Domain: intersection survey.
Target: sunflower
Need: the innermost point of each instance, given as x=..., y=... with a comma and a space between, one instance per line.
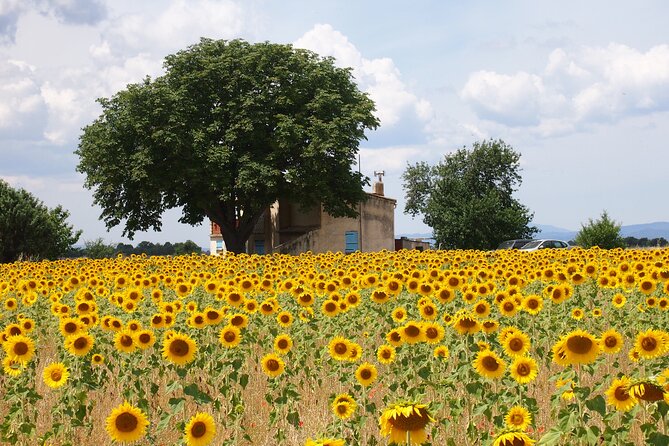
x=145, y=339
x=126, y=423
x=618, y=300
x=179, y=349
x=200, y=430
x=97, y=359
x=518, y=418
x=325, y=442
x=489, y=326
x=399, y=314
x=508, y=307
x=481, y=309
x=124, y=341
x=405, y=422
x=618, y=394
x=386, y=354
x=429, y=311
x=343, y=409
x=330, y=308
x=465, y=323
x=412, y=332
x=285, y=318
x=394, y=337
x=272, y=365
x=230, y=336
x=55, y=375
x=433, y=332
x=513, y=438
x=651, y=343
x=523, y=369
x=366, y=374
x=577, y=347
x=516, y=344
x=283, y=343
x=577, y=314
x=11, y=367
x=339, y=348
x=611, y=341
x=239, y=320
x=647, y=390
x=441, y=351
x=489, y=365
x=19, y=348
x=355, y=352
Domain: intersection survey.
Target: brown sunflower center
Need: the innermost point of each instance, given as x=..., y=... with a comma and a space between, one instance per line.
x=237, y=321
x=516, y=344
x=229, y=336
x=340, y=348
x=621, y=394
x=342, y=408
x=198, y=430
x=20, y=348
x=428, y=310
x=126, y=341
x=523, y=369
x=282, y=344
x=517, y=419
x=579, y=344
x=611, y=341
x=467, y=322
x=212, y=315
x=413, y=422
x=272, y=365
x=70, y=327
x=489, y=363
x=144, y=338
x=412, y=331
x=80, y=343
x=386, y=354
x=649, y=344
x=179, y=347
x=56, y=375
x=532, y=304
x=126, y=422
x=509, y=306
x=365, y=374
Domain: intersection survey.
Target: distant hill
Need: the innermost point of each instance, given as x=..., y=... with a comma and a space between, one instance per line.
x=649, y=230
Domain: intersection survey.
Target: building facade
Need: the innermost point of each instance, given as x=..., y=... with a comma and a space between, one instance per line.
x=289, y=229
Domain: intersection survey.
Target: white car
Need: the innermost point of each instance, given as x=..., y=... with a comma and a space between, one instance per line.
x=536, y=245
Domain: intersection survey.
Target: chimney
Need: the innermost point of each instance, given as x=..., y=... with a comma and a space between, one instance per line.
x=378, y=185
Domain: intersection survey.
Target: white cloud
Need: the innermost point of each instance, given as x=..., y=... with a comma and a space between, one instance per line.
x=576, y=89
x=21, y=106
x=181, y=24
x=378, y=77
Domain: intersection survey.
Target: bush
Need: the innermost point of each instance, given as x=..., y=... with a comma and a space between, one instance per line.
x=603, y=232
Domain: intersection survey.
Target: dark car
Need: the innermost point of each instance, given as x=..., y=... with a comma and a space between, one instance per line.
x=514, y=244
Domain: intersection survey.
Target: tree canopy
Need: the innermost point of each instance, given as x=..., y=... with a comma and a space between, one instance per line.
x=467, y=199
x=226, y=131
x=602, y=232
x=28, y=229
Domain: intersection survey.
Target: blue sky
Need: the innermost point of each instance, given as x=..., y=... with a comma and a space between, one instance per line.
x=580, y=89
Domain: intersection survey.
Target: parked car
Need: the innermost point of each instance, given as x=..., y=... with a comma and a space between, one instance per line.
x=514, y=244
x=536, y=245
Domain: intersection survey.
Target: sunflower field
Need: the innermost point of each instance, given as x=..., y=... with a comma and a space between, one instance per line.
x=503, y=348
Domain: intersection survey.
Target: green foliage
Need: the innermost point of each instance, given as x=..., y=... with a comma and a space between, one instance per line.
x=602, y=232
x=467, y=199
x=230, y=128
x=98, y=249
x=28, y=229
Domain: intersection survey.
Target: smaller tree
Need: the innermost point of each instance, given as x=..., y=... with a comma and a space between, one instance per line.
x=28, y=229
x=98, y=249
x=602, y=232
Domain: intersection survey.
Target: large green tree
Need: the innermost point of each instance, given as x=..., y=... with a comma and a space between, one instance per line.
x=603, y=232
x=226, y=131
x=30, y=230
x=467, y=199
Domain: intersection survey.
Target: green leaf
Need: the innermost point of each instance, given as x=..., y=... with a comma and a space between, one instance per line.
x=244, y=380
x=294, y=419
x=176, y=404
x=550, y=438
x=200, y=397
x=598, y=404
x=657, y=439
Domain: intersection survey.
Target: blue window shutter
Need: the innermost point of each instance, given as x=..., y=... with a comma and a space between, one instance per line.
x=260, y=247
x=351, y=241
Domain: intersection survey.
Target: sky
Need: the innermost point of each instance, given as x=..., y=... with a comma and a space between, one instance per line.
x=579, y=89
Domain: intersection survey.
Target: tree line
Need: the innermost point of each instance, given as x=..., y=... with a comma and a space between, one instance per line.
x=98, y=249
